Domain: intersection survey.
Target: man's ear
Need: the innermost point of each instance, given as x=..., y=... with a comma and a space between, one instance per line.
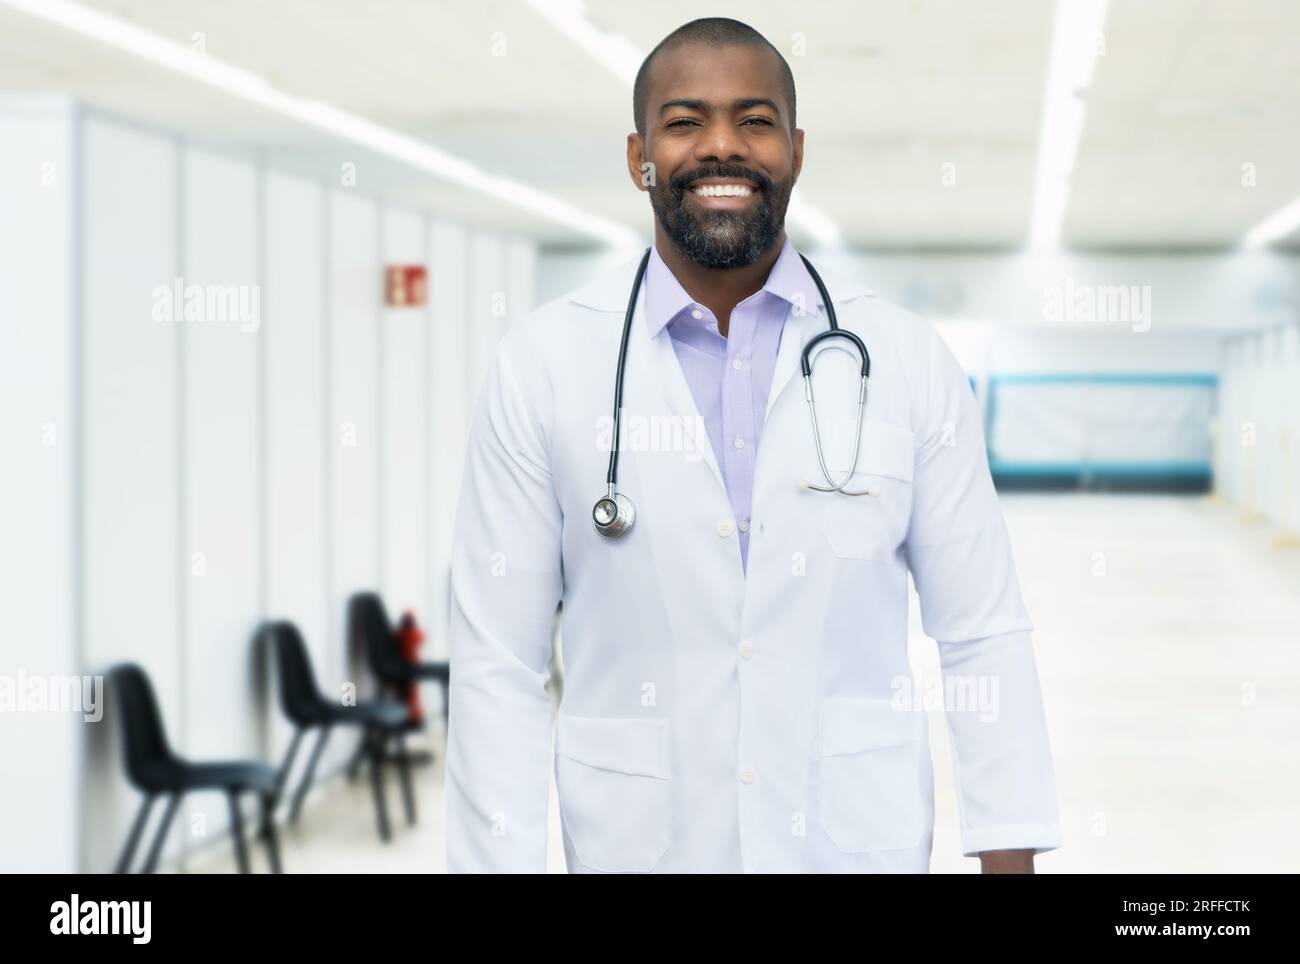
x=636, y=162
x=798, y=154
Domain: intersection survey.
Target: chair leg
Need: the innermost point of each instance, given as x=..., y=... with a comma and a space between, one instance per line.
x=375, y=750
x=133, y=840
x=152, y=860
x=268, y=833
x=237, y=831
x=282, y=778
x=358, y=757
x=307, y=777
x=404, y=769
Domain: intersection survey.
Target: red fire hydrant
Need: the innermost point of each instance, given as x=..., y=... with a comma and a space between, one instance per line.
x=409, y=639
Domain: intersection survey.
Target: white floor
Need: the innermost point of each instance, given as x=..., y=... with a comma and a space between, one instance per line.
x=1168, y=643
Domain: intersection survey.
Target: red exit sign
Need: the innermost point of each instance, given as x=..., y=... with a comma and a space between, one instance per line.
x=406, y=286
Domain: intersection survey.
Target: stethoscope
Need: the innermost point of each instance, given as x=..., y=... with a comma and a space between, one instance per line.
x=613, y=514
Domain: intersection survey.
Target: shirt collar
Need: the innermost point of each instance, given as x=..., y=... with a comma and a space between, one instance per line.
x=665, y=298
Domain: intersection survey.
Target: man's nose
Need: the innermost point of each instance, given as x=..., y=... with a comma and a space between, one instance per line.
x=720, y=141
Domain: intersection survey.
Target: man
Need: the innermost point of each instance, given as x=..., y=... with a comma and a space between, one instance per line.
x=737, y=691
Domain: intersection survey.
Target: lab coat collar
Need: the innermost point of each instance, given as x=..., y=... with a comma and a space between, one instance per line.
x=610, y=291
x=788, y=280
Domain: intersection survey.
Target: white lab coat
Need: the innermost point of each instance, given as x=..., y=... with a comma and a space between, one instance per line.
x=716, y=721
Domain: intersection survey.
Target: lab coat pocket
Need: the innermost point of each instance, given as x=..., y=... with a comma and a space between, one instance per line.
x=871, y=526
x=615, y=796
x=870, y=774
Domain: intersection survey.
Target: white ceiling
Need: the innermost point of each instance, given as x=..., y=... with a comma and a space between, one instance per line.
x=1186, y=93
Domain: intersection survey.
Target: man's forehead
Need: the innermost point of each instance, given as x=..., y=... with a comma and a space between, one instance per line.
x=715, y=75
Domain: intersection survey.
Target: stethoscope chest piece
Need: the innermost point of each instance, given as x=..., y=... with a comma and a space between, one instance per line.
x=613, y=515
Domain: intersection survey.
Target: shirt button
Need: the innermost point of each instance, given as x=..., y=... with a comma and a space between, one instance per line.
x=739, y=443
x=748, y=775
x=725, y=528
x=697, y=313
x=737, y=364
x=743, y=525
x=746, y=649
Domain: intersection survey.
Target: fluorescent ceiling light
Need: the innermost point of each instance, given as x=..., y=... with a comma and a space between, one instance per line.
x=617, y=53
x=1076, y=36
x=1275, y=227
x=624, y=59
x=207, y=70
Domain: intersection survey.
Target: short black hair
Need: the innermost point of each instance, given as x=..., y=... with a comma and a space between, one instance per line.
x=714, y=32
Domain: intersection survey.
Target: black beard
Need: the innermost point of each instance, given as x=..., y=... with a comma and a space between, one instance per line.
x=722, y=239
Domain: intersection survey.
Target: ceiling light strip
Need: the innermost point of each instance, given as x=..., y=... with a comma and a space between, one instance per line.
x=212, y=72
x=1077, y=38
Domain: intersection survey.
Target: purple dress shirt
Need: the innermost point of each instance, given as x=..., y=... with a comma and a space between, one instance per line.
x=730, y=377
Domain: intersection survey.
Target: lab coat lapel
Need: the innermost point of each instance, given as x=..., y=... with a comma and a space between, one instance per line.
x=798, y=329
x=655, y=359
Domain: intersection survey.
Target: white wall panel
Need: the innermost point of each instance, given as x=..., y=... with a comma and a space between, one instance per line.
x=449, y=399
x=293, y=333
x=222, y=471
x=404, y=462
x=1257, y=450
x=355, y=290
x=132, y=563
x=37, y=489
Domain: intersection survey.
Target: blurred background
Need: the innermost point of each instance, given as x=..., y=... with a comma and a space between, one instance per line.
x=255, y=258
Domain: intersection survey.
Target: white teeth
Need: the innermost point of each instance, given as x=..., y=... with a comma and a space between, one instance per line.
x=723, y=190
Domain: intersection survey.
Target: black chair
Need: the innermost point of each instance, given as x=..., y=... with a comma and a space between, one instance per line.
x=371, y=632
x=306, y=707
x=155, y=770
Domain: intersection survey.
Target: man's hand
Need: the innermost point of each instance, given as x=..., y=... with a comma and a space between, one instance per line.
x=1007, y=862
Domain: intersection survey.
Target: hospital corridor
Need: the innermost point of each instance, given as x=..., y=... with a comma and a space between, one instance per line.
x=512, y=436
x=1147, y=786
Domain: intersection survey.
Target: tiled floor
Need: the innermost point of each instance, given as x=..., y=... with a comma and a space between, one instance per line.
x=1168, y=643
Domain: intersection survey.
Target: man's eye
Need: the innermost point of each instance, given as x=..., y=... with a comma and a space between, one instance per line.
x=761, y=120
x=680, y=121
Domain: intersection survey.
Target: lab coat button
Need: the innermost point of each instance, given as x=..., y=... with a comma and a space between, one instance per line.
x=748, y=775
x=746, y=649
x=725, y=528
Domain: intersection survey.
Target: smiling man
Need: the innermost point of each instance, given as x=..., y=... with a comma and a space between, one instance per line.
x=737, y=689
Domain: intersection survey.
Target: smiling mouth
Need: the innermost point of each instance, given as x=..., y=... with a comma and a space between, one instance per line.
x=722, y=189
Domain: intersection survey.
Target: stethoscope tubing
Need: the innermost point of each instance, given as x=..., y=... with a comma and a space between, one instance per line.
x=616, y=510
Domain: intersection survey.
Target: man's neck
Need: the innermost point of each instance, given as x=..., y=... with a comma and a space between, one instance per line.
x=718, y=289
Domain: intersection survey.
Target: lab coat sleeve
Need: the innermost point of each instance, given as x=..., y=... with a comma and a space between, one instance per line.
x=505, y=586
x=960, y=556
